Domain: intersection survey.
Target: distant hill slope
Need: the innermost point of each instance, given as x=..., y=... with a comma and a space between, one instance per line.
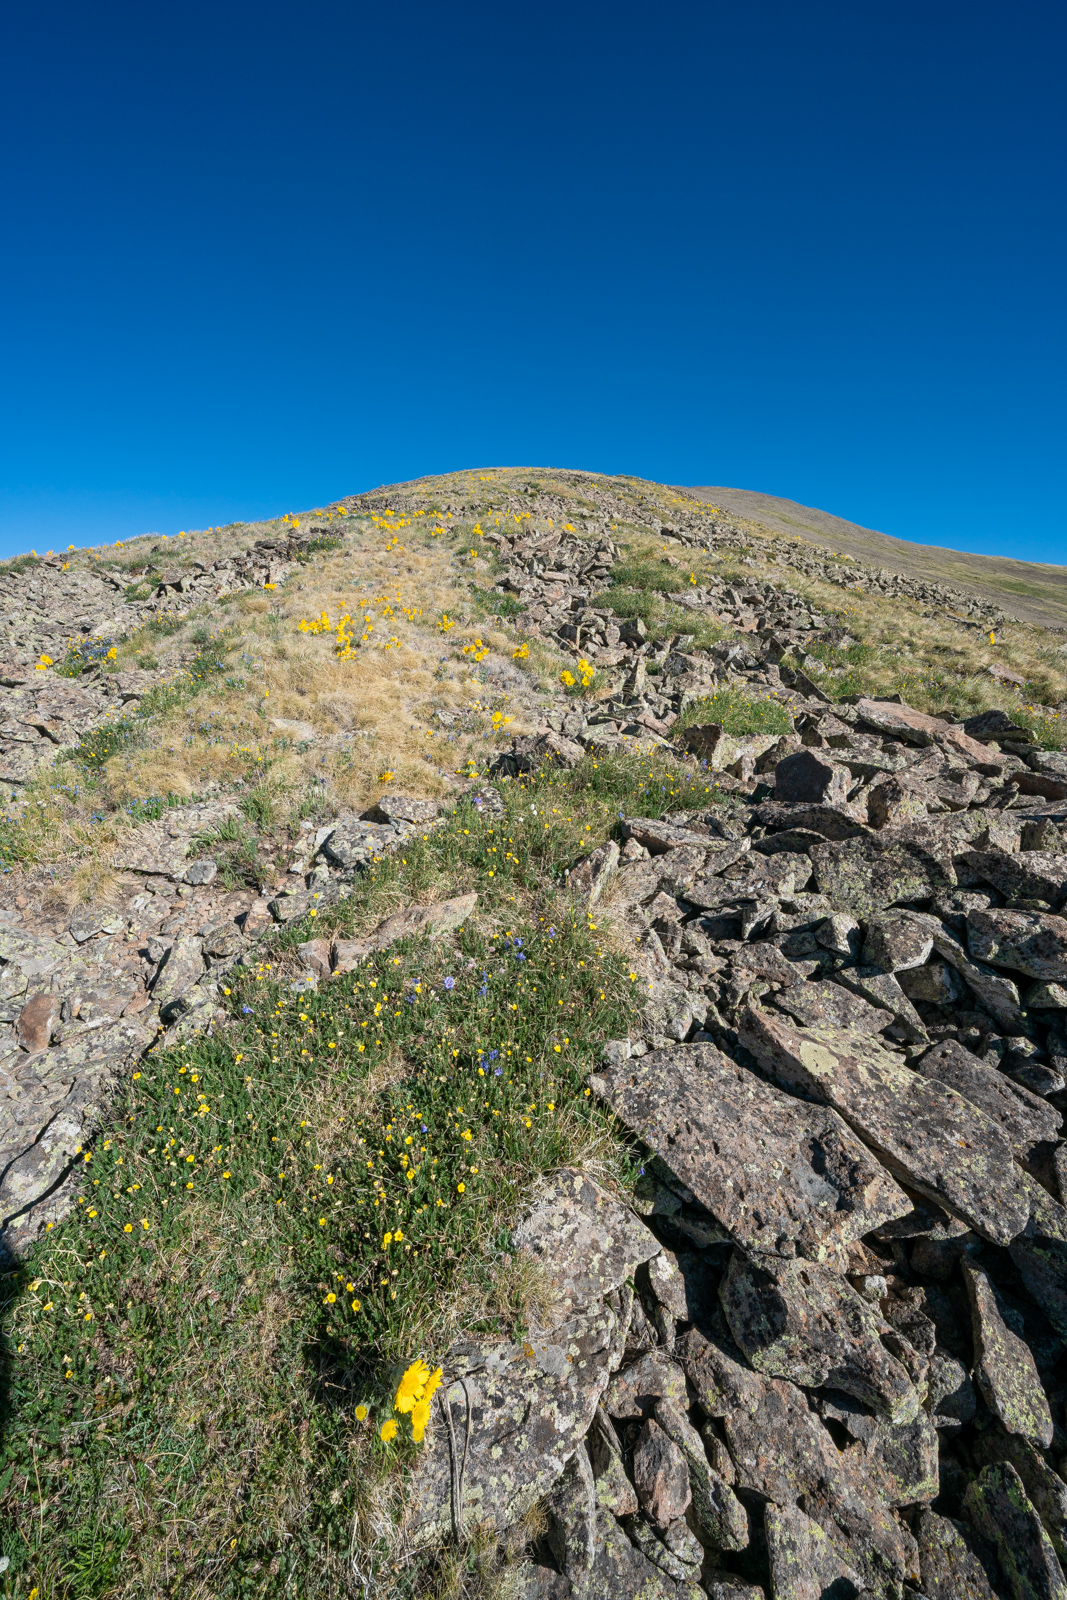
x=1032, y=591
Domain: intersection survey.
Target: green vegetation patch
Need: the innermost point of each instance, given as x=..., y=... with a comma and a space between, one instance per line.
x=739, y=712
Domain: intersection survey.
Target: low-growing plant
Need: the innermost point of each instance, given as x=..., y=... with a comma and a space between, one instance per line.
x=738, y=712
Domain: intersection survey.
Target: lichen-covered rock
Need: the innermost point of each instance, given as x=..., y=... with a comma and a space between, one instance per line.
x=589, y=1242
x=794, y=1320
x=778, y=1174
x=589, y=877
x=1004, y=1369
x=1033, y=942
x=1028, y=875
x=515, y=1414
x=832, y=1005
x=634, y=1390
x=614, y=1491
x=895, y=943
x=661, y=1476
x=954, y=1563
x=783, y=1453
x=720, y=1518
x=1046, y=1490
x=925, y=1133
x=997, y=1504
x=1024, y=1118
x=433, y=921
x=804, y=1562
x=181, y=969
x=869, y=873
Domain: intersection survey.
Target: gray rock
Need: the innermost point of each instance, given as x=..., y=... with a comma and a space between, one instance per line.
x=1030, y=875
x=181, y=969
x=840, y=934
x=937, y=983
x=517, y=1418
x=1024, y=1118
x=1033, y=942
x=201, y=872
x=591, y=875
x=588, y=1241
x=805, y=1564
x=794, y=1320
x=354, y=843
x=895, y=943
x=661, y=1476
x=721, y=1519
x=1004, y=1369
x=954, y=1563
x=1040, y=1254
x=867, y=874
x=634, y=1391
x=614, y=1491
x=779, y=1175
x=925, y=1133
x=534, y=750
x=831, y=1004
x=406, y=808
x=90, y=920
x=445, y=916
x=783, y=1453
x=1000, y=1510
x=811, y=779
x=1045, y=1489
x=882, y=989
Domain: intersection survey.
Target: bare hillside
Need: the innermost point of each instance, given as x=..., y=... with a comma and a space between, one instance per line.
x=1032, y=591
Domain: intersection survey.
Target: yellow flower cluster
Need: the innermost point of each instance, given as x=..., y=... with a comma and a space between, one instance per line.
x=478, y=651
x=586, y=672
x=43, y=665
x=414, y=1392
x=521, y=654
x=319, y=624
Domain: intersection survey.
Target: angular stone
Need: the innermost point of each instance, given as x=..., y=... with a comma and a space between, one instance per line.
x=950, y=1398
x=830, y=822
x=661, y=1476
x=832, y=1005
x=720, y=1517
x=1046, y=997
x=201, y=872
x=406, y=808
x=614, y=1491
x=518, y=1413
x=783, y=1453
x=183, y=966
x=354, y=843
x=90, y=920
x=795, y=1321
x=811, y=779
x=916, y=727
x=37, y=1021
x=882, y=989
x=903, y=1456
x=1003, y=1366
x=805, y=1564
x=1033, y=942
x=780, y=1175
x=722, y=1382
x=895, y=943
x=840, y=934
x=997, y=1504
x=571, y=1514
x=1045, y=1489
x=315, y=955
x=433, y=921
x=937, y=983
x=925, y=1133
x=668, y=1285
x=1040, y=1254
x=996, y=992
x=894, y=799
x=1023, y=1118
x=534, y=750
x=588, y=1241
x=589, y=877
x=1030, y=875
x=658, y=837
x=953, y=1561
x=867, y=874
x=634, y=1390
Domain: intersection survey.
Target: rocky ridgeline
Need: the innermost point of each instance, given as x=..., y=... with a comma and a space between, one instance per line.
x=823, y=1352
x=51, y=609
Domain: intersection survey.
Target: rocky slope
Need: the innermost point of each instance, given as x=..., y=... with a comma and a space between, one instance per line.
x=822, y=1352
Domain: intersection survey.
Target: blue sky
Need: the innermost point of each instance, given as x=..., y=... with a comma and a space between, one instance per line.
x=256, y=257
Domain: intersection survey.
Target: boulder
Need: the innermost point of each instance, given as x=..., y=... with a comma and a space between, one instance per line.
x=588, y=1241
x=895, y=943
x=953, y=1561
x=1000, y=1510
x=923, y=1131
x=433, y=921
x=1003, y=1366
x=805, y=1564
x=1032, y=942
x=660, y=1474
x=793, y=1320
x=1023, y=1118
x=779, y=1175
x=809, y=778
x=1029, y=875
x=868, y=873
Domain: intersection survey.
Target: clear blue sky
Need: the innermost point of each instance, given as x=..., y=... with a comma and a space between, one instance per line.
x=259, y=256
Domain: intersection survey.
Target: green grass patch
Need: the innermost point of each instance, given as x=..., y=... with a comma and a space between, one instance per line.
x=738, y=713
x=285, y=1216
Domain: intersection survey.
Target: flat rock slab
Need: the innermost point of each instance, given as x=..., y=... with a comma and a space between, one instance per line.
x=831, y=1004
x=517, y=1416
x=589, y=1242
x=434, y=921
x=1024, y=1118
x=866, y=875
x=954, y=1563
x=780, y=1175
x=784, y=1453
x=998, y=1506
x=793, y=1320
x=1033, y=942
x=927, y=1134
x=161, y=847
x=804, y=1562
x=1029, y=875
x=1004, y=1368
x=902, y=722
